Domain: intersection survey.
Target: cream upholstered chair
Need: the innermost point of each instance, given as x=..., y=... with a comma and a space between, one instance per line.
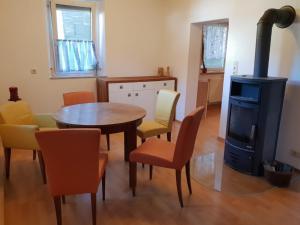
x=164, y=115
x=81, y=97
x=17, y=129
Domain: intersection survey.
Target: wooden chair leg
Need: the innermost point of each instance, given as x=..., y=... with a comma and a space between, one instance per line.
x=108, y=142
x=169, y=135
x=150, y=171
x=178, y=183
x=132, y=176
x=42, y=166
x=158, y=136
x=7, y=156
x=143, y=140
x=188, y=176
x=57, y=204
x=34, y=155
x=63, y=198
x=103, y=186
x=94, y=207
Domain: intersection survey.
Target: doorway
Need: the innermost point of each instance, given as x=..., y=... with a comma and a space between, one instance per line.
x=205, y=78
x=213, y=37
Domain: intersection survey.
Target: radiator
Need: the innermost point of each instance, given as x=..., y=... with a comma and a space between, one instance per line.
x=215, y=90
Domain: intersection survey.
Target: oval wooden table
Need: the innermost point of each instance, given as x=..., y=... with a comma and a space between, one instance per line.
x=109, y=117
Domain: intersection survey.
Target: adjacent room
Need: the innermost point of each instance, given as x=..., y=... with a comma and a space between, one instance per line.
x=149, y=112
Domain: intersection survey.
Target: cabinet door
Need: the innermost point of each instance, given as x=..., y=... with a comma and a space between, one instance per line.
x=125, y=97
x=145, y=99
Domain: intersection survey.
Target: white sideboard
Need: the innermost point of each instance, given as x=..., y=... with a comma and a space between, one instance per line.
x=140, y=91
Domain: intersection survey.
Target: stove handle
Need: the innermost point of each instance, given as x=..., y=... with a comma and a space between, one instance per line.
x=252, y=134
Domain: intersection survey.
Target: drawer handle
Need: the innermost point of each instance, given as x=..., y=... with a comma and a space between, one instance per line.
x=144, y=85
x=165, y=84
x=121, y=86
x=129, y=95
x=136, y=94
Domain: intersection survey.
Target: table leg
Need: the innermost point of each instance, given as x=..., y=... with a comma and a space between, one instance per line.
x=129, y=140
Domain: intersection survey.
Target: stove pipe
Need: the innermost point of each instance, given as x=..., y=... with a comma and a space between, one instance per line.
x=283, y=18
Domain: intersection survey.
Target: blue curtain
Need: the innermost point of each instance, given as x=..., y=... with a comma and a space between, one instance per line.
x=75, y=56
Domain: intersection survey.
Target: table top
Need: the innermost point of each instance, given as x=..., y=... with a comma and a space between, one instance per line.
x=99, y=114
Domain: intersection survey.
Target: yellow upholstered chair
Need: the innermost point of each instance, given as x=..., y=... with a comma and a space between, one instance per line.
x=17, y=130
x=164, y=115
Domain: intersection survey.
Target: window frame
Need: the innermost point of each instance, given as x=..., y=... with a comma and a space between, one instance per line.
x=214, y=70
x=54, y=37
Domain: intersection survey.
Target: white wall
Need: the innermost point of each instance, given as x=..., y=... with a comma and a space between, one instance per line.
x=243, y=16
x=179, y=30
x=133, y=37
x=24, y=45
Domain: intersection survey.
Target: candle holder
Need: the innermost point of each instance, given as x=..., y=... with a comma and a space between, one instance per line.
x=13, y=91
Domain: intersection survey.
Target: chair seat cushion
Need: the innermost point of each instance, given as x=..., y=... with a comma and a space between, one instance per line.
x=47, y=128
x=103, y=158
x=155, y=152
x=151, y=128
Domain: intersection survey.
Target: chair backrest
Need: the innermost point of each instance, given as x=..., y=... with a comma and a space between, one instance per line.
x=80, y=97
x=72, y=160
x=18, y=113
x=166, y=106
x=186, y=137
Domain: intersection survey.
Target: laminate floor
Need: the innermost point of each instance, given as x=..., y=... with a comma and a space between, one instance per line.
x=27, y=200
x=208, y=166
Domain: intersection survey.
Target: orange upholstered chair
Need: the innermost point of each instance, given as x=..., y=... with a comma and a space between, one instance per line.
x=73, y=164
x=81, y=97
x=78, y=97
x=157, y=152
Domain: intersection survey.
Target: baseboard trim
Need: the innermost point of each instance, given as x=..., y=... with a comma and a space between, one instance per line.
x=221, y=139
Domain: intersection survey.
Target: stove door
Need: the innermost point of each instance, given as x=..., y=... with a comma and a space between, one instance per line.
x=242, y=124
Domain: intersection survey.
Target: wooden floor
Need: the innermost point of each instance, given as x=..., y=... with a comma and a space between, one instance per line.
x=28, y=202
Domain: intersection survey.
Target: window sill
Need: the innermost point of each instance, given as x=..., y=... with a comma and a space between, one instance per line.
x=71, y=77
x=211, y=73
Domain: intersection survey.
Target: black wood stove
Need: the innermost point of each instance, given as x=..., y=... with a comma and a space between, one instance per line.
x=255, y=103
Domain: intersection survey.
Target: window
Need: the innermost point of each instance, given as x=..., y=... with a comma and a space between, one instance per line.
x=214, y=41
x=74, y=34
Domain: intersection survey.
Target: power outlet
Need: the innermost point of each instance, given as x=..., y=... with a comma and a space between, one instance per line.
x=33, y=71
x=235, y=68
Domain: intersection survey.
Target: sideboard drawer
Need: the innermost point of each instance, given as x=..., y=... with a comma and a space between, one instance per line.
x=121, y=86
x=139, y=86
x=167, y=84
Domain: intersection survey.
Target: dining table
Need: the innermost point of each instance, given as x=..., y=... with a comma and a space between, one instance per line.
x=109, y=117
